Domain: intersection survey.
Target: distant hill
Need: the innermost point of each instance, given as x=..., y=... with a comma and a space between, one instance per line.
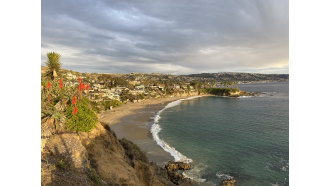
x=237, y=76
x=222, y=76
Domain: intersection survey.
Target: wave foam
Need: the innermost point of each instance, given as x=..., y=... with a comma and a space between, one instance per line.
x=196, y=172
x=155, y=129
x=223, y=176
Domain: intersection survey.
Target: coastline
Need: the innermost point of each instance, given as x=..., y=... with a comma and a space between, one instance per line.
x=134, y=121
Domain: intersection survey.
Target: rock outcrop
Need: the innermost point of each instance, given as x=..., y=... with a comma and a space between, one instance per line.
x=228, y=182
x=174, y=166
x=175, y=170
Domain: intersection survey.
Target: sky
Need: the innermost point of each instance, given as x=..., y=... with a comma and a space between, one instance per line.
x=167, y=36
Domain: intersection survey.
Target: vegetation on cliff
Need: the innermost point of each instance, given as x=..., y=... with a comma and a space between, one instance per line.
x=69, y=103
x=132, y=151
x=220, y=91
x=84, y=120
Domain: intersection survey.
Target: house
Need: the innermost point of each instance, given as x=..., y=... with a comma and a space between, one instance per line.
x=136, y=92
x=140, y=87
x=98, y=86
x=71, y=76
x=161, y=86
x=176, y=86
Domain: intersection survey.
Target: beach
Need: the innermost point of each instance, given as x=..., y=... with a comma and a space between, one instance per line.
x=133, y=121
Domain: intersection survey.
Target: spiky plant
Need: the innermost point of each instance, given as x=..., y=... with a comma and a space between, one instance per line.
x=53, y=64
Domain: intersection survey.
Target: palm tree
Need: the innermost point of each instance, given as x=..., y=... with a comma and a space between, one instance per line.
x=53, y=64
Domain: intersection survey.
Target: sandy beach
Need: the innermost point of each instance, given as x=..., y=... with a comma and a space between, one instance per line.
x=133, y=121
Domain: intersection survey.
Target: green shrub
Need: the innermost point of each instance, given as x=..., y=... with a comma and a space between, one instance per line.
x=94, y=176
x=113, y=103
x=84, y=120
x=62, y=164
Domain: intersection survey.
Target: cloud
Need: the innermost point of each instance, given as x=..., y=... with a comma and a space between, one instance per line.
x=180, y=37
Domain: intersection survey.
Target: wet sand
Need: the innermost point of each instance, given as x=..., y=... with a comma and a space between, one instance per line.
x=133, y=121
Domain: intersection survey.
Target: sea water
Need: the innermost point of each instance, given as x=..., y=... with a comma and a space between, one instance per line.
x=245, y=138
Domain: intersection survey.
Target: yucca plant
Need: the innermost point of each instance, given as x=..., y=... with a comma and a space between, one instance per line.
x=53, y=64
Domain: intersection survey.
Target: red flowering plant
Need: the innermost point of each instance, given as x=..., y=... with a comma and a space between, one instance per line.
x=74, y=100
x=60, y=81
x=73, y=106
x=75, y=110
x=49, y=85
x=53, y=93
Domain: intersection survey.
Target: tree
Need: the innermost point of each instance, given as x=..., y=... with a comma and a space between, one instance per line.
x=53, y=64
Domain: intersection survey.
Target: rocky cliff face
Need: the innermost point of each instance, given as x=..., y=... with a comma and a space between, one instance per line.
x=97, y=158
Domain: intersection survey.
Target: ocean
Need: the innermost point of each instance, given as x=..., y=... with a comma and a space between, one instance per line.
x=245, y=138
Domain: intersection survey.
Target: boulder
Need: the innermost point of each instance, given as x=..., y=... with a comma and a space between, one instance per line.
x=174, y=166
x=228, y=182
x=175, y=170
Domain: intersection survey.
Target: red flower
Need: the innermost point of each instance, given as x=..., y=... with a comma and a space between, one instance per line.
x=82, y=86
x=79, y=80
x=61, y=86
x=60, y=81
x=49, y=98
x=74, y=100
x=49, y=85
x=87, y=87
x=75, y=110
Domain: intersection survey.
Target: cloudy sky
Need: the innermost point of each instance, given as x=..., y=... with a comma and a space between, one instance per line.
x=168, y=36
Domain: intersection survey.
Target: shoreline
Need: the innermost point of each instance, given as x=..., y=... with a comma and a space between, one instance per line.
x=133, y=121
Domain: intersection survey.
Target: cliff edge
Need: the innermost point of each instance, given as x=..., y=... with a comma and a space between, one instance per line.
x=96, y=158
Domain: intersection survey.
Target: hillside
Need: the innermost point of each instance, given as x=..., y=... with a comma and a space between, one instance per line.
x=236, y=76
x=223, y=76
x=95, y=158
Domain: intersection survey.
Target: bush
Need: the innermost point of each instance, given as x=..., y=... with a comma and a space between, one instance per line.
x=94, y=176
x=113, y=103
x=84, y=120
x=62, y=164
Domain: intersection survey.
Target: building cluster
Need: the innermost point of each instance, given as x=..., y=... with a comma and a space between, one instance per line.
x=136, y=86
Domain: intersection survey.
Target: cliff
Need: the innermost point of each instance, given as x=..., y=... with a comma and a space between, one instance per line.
x=95, y=158
x=231, y=92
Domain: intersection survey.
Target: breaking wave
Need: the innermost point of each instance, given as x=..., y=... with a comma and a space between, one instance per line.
x=155, y=129
x=223, y=176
